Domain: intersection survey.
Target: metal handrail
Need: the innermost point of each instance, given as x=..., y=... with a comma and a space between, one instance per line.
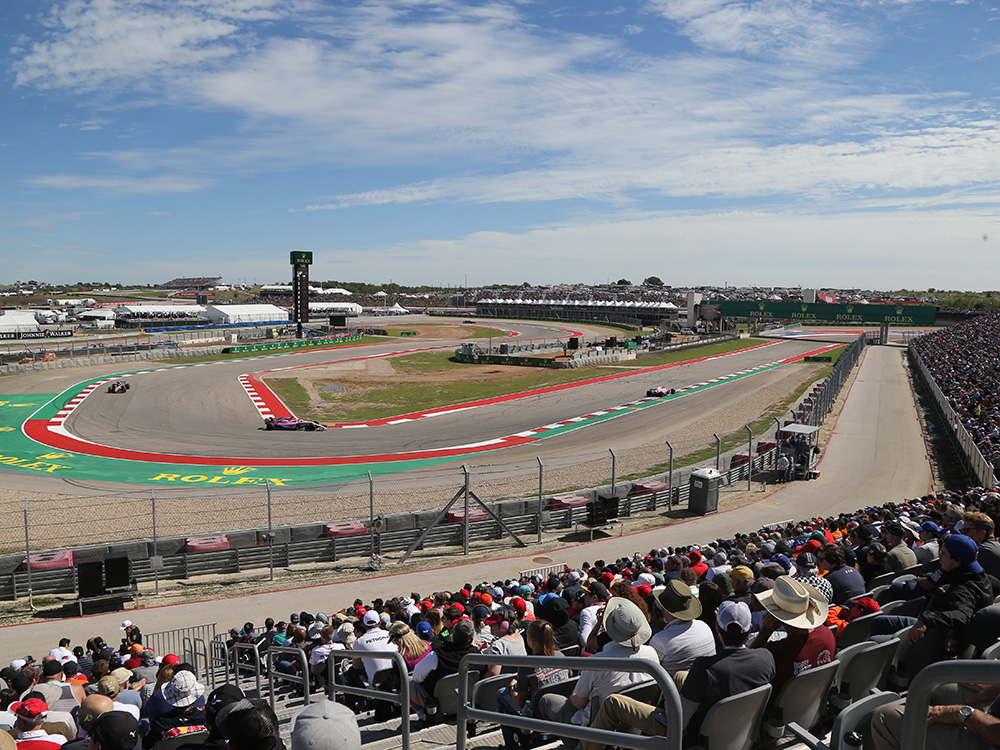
x=304, y=680
x=918, y=698
x=220, y=657
x=671, y=701
x=254, y=649
x=402, y=698
x=201, y=652
x=172, y=641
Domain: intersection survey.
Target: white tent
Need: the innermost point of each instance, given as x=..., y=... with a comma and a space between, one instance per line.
x=232, y=314
x=18, y=321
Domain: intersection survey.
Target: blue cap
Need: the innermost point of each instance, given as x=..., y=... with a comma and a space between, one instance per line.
x=783, y=561
x=964, y=549
x=930, y=526
x=424, y=629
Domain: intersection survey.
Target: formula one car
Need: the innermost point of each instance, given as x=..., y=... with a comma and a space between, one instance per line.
x=292, y=423
x=119, y=386
x=660, y=390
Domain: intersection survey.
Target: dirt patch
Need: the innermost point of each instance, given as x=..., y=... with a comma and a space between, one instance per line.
x=432, y=330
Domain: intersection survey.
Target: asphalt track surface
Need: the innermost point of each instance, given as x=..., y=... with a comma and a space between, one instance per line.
x=875, y=454
x=203, y=411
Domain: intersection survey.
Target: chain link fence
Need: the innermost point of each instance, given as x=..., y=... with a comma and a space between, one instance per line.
x=159, y=528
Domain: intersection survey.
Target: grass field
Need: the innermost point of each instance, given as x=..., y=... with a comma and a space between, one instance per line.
x=434, y=379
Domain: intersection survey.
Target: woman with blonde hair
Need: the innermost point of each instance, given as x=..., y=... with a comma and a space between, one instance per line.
x=411, y=647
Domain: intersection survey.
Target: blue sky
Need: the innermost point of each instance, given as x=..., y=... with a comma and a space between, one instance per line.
x=768, y=142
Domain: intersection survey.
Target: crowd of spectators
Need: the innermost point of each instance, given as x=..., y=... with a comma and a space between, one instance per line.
x=720, y=618
x=965, y=363
x=130, y=698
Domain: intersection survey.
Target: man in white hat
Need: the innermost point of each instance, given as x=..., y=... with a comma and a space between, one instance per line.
x=801, y=611
x=629, y=631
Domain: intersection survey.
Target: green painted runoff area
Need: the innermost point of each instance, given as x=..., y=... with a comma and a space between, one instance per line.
x=21, y=454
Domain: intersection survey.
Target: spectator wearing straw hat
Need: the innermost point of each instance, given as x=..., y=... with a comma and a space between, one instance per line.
x=801, y=611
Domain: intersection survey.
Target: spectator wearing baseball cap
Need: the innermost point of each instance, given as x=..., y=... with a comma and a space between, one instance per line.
x=374, y=638
x=595, y=596
x=929, y=546
x=962, y=589
x=326, y=725
x=807, y=571
x=250, y=725
x=29, y=717
x=114, y=730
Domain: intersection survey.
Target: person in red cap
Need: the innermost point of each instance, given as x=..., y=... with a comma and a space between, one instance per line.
x=28, y=724
x=171, y=659
x=699, y=566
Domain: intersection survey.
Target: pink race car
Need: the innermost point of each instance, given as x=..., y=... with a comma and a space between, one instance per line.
x=292, y=423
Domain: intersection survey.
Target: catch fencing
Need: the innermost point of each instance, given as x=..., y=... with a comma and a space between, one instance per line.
x=163, y=530
x=976, y=464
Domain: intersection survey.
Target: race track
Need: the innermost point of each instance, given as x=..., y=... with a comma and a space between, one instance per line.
x=198, y=420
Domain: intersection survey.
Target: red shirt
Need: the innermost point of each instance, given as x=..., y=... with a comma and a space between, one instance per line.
x=799, y=651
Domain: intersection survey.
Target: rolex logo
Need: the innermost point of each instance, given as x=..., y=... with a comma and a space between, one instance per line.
x=805, y=307
x=761, y=306
x=850, y=309
x=899, y=311
x=237, y=470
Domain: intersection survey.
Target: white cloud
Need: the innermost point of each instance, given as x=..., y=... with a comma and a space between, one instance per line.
x=140, y=185
x=105, y=43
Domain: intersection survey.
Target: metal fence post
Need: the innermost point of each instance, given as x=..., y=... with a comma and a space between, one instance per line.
x=749, y=455
x=270, y=531
x=27, y=551
x=670, y=479
x=777, y=440
x=614, y=471
x=538, y=513
x=718, y=452
x=156, y=571
x=465, y=524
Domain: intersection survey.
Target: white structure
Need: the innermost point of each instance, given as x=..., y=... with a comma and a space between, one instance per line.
x=233, y=314
x=18, y=321
x=335, y=308
x=160, y=311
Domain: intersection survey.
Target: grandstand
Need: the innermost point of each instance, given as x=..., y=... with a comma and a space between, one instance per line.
x=194, y=282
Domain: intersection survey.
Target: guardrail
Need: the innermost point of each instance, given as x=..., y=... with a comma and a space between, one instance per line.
x=178, y=640
x=975, y=462
x=671, y=701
